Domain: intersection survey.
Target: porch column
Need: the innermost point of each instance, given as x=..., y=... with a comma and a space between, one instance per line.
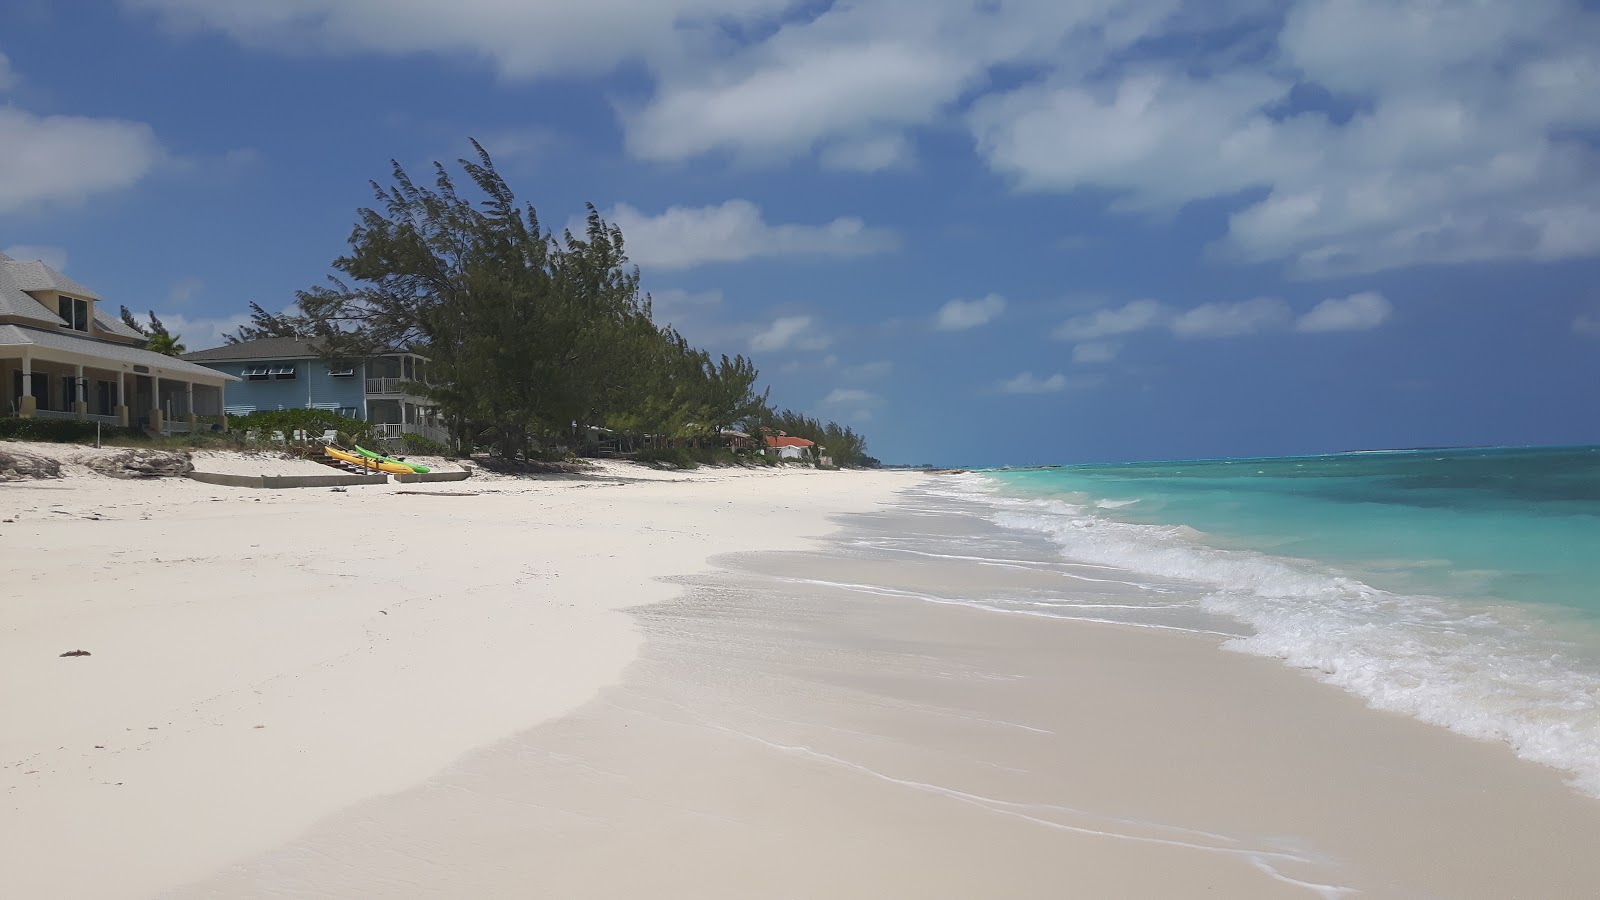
x=189, y=399
x=80, y=400
x=155, y=403
x=121, y=412
x=29, y=404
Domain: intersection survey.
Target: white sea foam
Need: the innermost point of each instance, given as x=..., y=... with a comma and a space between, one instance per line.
x=1491, y=672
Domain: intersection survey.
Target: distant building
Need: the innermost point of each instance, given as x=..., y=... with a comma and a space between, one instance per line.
x=63, y=355
x=785, y=447
x=290, y=373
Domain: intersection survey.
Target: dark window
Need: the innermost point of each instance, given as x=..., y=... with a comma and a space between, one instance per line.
x=75, y=313
x=283, y=373
x=257, y=373
x=345, y=372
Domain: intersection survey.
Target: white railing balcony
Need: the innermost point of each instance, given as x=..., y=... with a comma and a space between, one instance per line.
x=385, y=385
x=393, y=430
x=54, y=414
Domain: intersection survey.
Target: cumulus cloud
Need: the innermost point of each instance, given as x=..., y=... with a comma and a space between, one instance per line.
x=675, y=304
x=1126, y=319
x=7, y=76
x=683, y=237
x=852, y=404
x=1029, y=383
x=790, y=333
x=521, y=39
x=184, y=290
x=1470, y=137
x=1465, y=145
x=54, y=257
x=1217, y=320
x=868, y=370
x=960, y=315
x=66, y=159
x=200, y=333
x=870, y=154
x=1587, y=324
x=1357, y=312
x=1095, y=352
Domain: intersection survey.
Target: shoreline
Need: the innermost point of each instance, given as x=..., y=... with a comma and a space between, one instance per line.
x=684, y=685
x=787, y=731
x=262, y=659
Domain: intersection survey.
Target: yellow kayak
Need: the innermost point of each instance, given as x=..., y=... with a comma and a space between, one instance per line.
x=365, y=463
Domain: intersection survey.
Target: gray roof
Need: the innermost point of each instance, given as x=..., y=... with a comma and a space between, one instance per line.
x=14, y=302
x=260, y=348
x=71, y=342
x=36, y=276
x=107, y=322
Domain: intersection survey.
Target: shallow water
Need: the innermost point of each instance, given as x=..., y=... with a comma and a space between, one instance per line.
x=1459, y=587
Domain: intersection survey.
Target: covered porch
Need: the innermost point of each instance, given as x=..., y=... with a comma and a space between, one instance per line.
x=111, y=384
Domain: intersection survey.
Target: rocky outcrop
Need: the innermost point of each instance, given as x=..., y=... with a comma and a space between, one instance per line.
x=142, y=464
x=17, y=466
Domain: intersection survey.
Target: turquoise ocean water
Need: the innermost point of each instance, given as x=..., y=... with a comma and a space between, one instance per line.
x=1461, y=587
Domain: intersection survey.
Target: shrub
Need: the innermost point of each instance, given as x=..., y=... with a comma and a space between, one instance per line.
x=312, y=421
x=669, y=456
x=421, y=445
x=65, y=431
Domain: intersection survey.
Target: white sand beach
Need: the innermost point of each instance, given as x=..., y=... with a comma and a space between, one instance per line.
x=486, y=688
x=262, y=659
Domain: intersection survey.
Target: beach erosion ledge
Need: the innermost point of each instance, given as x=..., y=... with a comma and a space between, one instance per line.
x=255, y=660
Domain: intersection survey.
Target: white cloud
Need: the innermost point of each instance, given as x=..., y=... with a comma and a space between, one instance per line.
x=1587, y=324
x=184, y=290
x=1216, y=320
x=849, y=397
x=1470, y=137
x=790, y=333
x=1466, y=144
x=871, y=154
x=868, y=370
x=201, y=333
x=54, y=257
x=1136, y=315
x=521, y=39
x=682, y=237
x=1357, y=312
x=1028, y=383
x=8, y=78
x=1095, y=352
x=675, y=304
x=66, y=159
x=960, y=315
x=852, y=404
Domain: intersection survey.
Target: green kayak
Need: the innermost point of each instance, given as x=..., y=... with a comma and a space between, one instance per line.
x=420, y=470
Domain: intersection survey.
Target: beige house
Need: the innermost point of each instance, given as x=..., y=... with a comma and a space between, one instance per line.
x=63, y=355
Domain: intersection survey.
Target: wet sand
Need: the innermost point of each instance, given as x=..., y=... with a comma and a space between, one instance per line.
x=781, y=737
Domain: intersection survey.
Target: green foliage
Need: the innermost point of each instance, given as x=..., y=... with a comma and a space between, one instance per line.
x=677, y=457
x=157, y=337
x=533, y=338
x=264, y=325
x=312, y=421
x=64, y=431
x=841, y=443
x=421, y=445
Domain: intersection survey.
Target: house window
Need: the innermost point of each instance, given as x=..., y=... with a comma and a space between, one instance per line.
x=282, y=373
x=74, y=312
x=257, y=373
x=344, y=372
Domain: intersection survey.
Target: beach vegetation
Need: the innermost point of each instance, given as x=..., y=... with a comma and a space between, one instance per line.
x=535, y=339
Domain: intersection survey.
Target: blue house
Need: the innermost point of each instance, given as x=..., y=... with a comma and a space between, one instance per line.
x=288, y=373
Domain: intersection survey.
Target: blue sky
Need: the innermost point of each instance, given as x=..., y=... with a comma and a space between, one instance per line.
x=983, y=232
